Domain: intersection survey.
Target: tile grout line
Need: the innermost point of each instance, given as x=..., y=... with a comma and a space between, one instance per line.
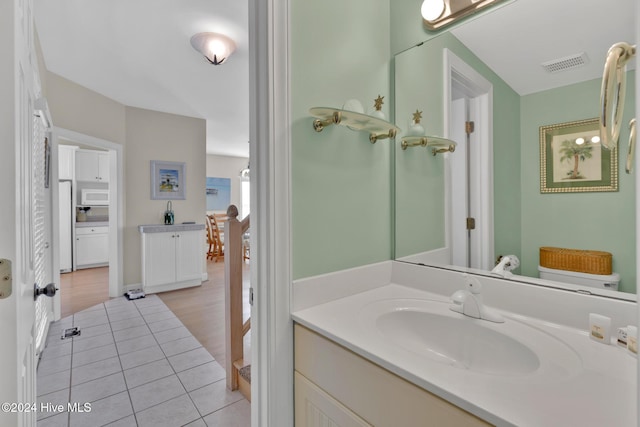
x=167, y=359
x=124, y=378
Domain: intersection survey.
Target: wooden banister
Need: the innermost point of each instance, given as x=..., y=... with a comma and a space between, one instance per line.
x=233, y=256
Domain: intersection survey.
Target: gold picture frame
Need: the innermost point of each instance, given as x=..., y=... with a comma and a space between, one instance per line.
x=572, y=160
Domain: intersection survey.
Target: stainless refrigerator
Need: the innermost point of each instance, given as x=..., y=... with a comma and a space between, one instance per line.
x=66, y=227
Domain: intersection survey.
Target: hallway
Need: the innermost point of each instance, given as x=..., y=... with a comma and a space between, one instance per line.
x=138, y=362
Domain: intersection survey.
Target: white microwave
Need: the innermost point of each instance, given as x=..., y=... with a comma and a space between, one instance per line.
x=94, y=197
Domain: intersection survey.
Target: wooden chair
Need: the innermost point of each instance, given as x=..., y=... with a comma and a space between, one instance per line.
x=217, y=237
x=246, y=251
x=210, y=240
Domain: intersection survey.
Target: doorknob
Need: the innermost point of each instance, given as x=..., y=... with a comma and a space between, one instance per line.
x=49, y=290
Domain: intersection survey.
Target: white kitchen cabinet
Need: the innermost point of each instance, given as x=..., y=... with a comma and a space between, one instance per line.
x=92, y=166
x=172, y=259
x=92, y=247
x=66, y=161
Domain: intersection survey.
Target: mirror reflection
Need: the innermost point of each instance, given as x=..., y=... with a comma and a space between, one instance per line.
x=511, y=73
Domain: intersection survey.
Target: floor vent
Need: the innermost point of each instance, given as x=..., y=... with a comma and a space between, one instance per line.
x=70, y=333
x=566, y=63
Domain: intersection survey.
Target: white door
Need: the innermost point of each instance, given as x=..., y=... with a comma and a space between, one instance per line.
x=160, y=258
x=469, y=99
x=459, y=183
x=17, y=210
x=189, y=255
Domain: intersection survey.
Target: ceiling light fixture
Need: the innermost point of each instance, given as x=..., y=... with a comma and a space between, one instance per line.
x=437, y=14
x=215, y=47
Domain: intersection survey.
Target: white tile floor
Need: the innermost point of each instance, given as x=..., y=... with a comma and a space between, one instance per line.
x=136, y=365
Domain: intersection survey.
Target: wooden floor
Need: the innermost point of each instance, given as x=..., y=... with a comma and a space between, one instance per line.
x=200, y=309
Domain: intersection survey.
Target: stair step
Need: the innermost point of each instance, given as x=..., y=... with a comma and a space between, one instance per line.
x=244, y=378
x=245, y=372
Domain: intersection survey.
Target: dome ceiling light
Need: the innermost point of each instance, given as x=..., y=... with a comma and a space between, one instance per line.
x=215, y=47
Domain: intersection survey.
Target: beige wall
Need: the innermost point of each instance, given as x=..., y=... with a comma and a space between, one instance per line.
x=77, y=108
x=228, y=167
x=159, y=136
x=145, y=135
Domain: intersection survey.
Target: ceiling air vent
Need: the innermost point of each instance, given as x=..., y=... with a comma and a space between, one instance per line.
x=566, y=63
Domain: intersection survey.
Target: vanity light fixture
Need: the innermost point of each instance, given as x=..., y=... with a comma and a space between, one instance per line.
x=215, y=47
x=437, y=14
x=593, y=140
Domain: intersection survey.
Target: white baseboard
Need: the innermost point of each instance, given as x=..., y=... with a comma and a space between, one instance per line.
x=172, y=286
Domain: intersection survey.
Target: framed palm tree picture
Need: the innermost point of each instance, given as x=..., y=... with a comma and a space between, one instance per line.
x=572, y=159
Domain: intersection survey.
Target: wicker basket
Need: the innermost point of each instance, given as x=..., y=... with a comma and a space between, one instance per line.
x=583, y=261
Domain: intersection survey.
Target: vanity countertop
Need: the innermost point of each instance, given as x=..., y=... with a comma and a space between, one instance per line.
x=161, y=228
x=590, y=384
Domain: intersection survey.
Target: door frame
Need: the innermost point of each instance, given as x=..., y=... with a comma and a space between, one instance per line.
x=116, y=207
x=455, y=69
x=270, y=146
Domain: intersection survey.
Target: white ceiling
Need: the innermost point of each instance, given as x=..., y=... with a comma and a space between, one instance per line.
x=514, y=40
x=138, y=52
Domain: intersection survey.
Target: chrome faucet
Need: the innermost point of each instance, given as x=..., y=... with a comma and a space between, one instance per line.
x=505, y=264
x=468, y=301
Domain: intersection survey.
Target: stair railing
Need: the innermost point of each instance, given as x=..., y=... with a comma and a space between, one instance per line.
x=234, y=255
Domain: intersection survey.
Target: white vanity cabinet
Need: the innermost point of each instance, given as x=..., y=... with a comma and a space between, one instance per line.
x=334, y=386
x=92, y=166
x=172, y=256
x=92, y=247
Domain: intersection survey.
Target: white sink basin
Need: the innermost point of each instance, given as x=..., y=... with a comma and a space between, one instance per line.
x=428, y=328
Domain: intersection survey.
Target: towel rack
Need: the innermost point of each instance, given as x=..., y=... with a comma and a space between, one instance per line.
x=613, y=84
x=631, y=154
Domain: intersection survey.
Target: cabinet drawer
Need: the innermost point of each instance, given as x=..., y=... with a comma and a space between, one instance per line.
x=91, y=230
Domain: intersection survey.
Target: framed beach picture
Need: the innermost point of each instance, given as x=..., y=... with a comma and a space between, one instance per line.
x=572, y=159
x=167, y=180
x=218, y=194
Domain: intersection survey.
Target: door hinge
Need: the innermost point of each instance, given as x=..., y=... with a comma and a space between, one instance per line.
x=469, y=127
x=250, y=296
x=471, y=223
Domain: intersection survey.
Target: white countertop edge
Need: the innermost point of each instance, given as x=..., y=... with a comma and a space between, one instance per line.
x=161, y=228
x=406, y=375
x=85, y=224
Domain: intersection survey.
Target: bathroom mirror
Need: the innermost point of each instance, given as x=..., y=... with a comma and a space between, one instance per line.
x=484, y=71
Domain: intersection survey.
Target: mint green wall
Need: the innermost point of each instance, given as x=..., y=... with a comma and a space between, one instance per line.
x=340, y=181
x=419, y=176
x=597, y=221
